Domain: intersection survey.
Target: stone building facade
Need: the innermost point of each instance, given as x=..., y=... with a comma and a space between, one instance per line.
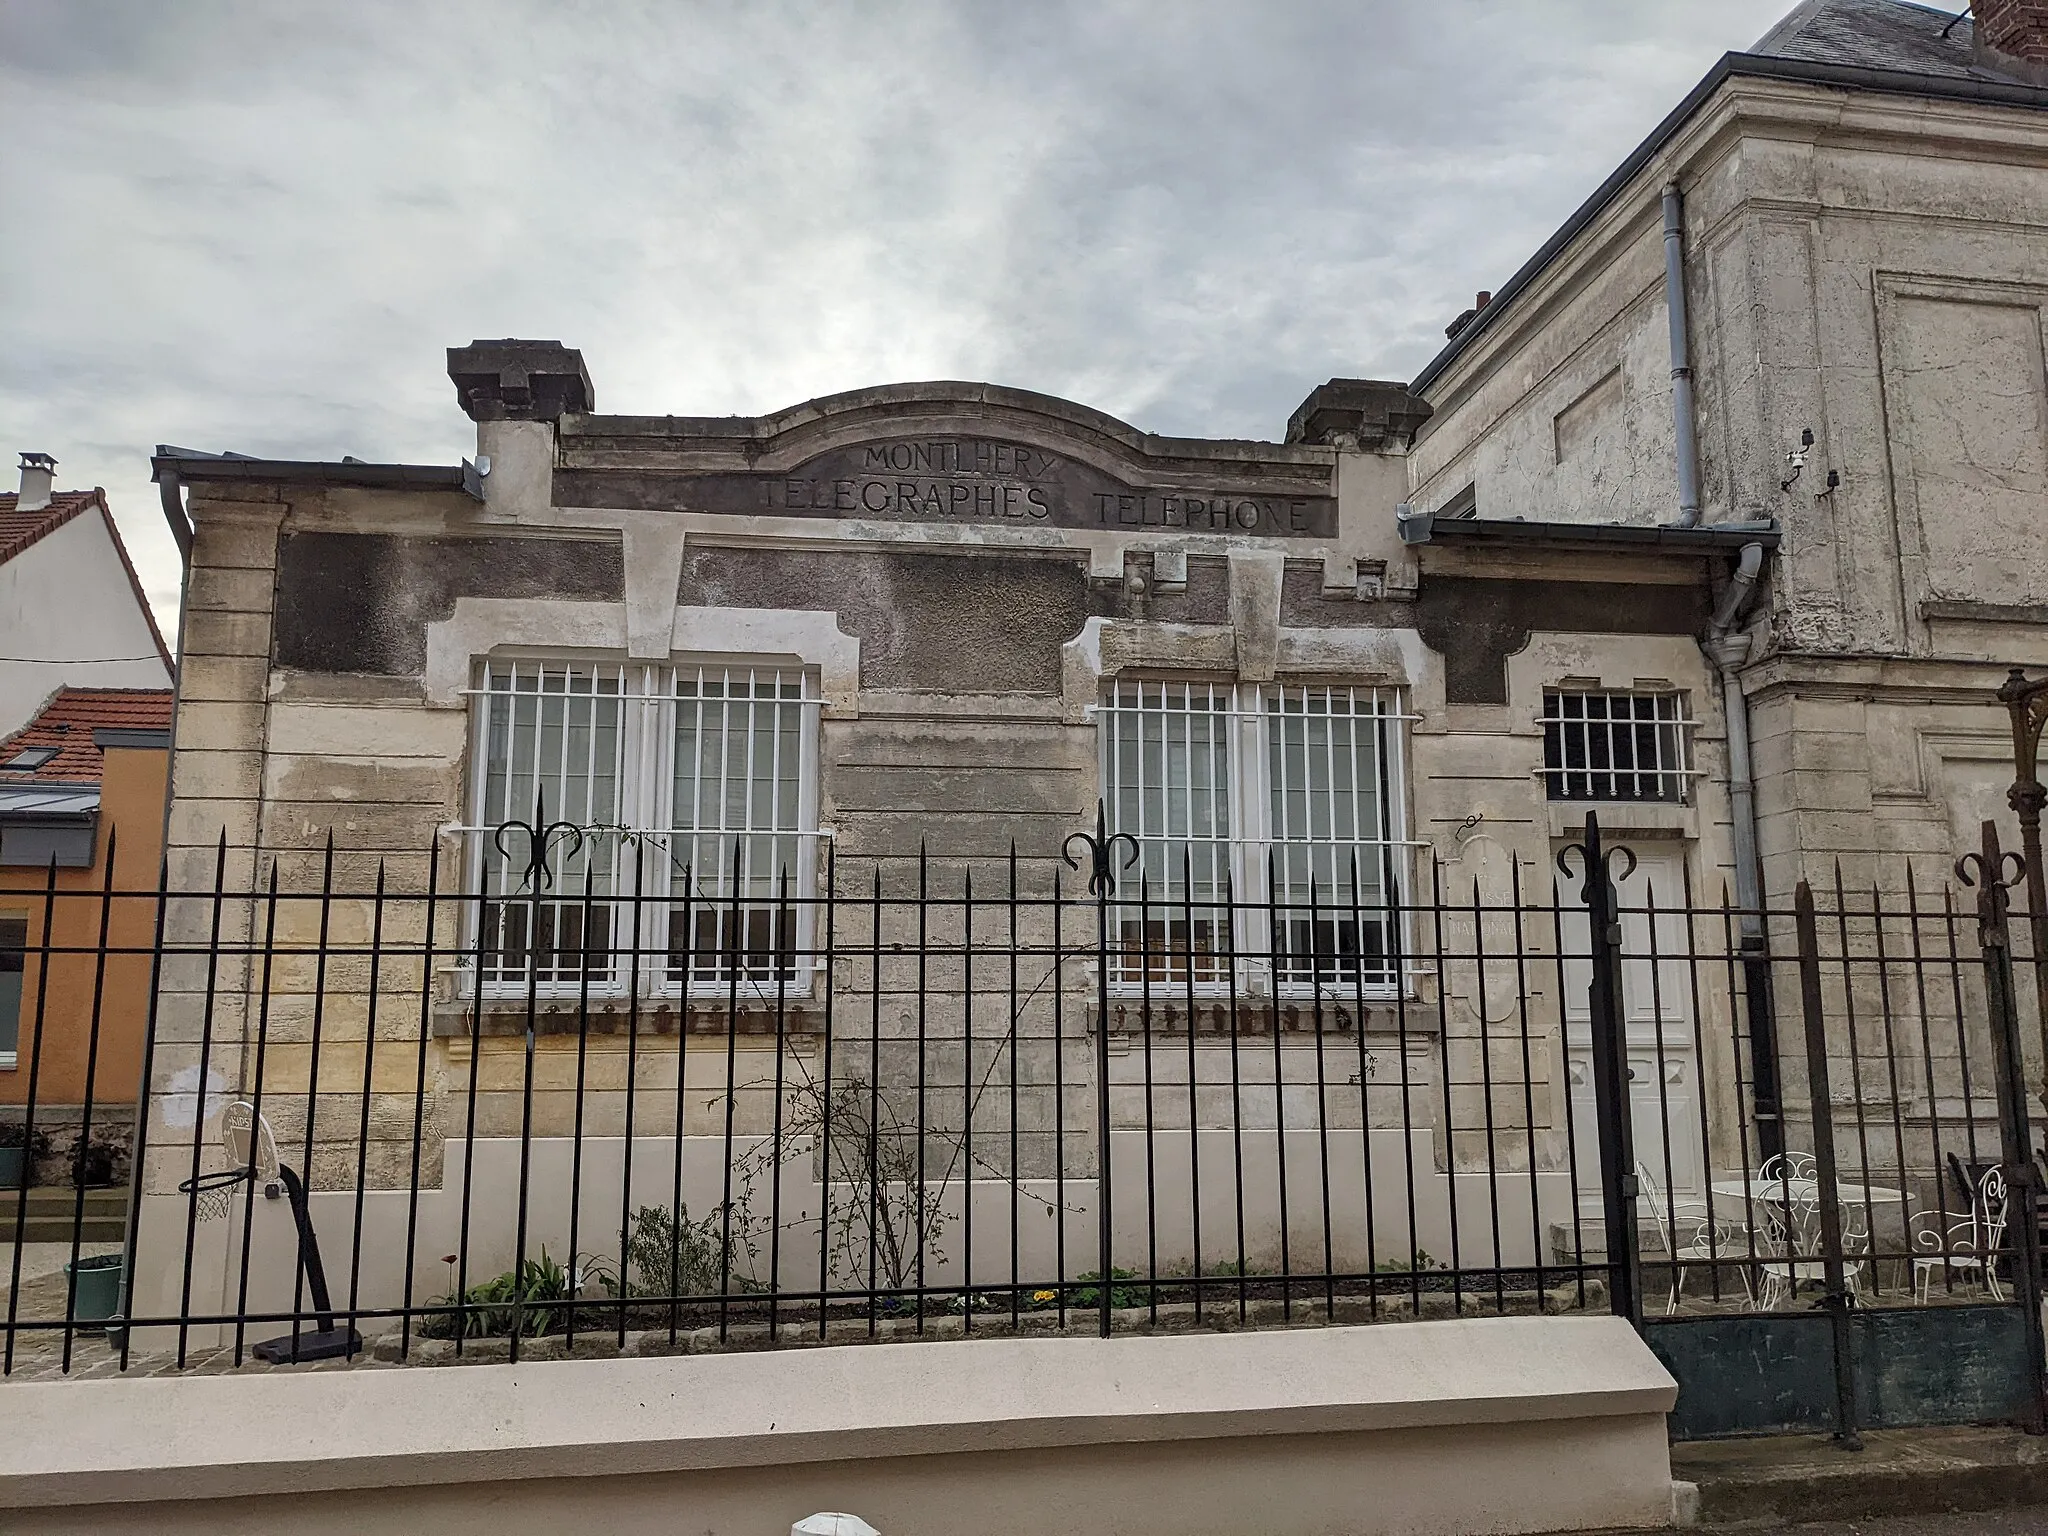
x=1862, y=204
x=916, y=636
x=951, y=622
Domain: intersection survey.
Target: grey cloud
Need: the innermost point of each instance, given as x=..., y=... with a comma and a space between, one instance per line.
x=255, y=225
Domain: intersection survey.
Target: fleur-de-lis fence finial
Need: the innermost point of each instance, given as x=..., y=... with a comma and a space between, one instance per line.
x=540, y=835
x=1101, y=845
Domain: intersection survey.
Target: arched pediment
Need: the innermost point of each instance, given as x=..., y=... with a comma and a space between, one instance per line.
x=946, y=452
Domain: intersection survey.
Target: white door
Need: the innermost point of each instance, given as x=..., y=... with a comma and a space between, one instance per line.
x=1657, y=1015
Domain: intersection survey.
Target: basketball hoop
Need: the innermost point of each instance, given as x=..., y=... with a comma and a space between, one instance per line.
x=252, y=1154
x=252, y=1158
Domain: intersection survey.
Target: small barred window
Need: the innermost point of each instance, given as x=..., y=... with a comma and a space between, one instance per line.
x=1632, y=747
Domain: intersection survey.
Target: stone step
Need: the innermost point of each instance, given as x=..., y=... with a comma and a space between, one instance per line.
x=49, y=1213
x=1783, y=1479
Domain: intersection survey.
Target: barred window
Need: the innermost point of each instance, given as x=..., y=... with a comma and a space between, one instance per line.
x=1166, y=780
x=1616, y=746
x=1269, y=826
x=739, y=798
x=659, y=820
x=552, y=758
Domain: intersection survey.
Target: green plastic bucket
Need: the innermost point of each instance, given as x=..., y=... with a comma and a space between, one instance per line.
x=97, y=1287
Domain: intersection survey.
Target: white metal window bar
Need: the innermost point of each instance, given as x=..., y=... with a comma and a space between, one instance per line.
x=743, y=818
x=550, y=741
x=1286, y=799
x=687, y=797
x=1631, y=747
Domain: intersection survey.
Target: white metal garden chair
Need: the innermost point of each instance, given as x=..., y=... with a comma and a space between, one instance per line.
x=1970, y=1245
x=1781, y=1278
x=1704, y=1241
x=1790, y=1171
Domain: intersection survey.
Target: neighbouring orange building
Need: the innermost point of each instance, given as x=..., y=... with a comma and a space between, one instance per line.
x=81, y=786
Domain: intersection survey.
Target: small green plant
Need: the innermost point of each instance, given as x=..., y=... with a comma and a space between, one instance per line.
x=668, y=1254
x=1420, y=1263
x=1119, y=1295
x=1216, y=1269
x=15, y=1133
x=517, y=1301
x=97, y=1164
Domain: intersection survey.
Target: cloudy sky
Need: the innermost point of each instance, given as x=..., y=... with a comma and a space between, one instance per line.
x=255, y=224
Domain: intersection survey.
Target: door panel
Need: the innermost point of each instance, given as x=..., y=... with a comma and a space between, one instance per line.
x=1664, y=1099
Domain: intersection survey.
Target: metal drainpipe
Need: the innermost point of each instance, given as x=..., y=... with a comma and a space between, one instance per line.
x=1681, y=360
x=1728, y=648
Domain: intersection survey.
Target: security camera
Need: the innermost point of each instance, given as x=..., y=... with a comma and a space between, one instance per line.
x=1797, y=459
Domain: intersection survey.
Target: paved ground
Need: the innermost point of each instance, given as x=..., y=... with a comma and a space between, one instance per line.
x=1901, y=1481
x=2013, y=1522
x=40, y=1260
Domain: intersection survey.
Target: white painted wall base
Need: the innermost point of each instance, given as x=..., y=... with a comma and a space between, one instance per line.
x=1406, y=1217
x=1496, y=1425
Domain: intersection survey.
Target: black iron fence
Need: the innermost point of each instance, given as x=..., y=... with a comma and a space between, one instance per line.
x=393, y=1113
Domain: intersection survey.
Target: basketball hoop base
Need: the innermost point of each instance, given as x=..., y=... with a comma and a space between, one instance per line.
x=316, y=1344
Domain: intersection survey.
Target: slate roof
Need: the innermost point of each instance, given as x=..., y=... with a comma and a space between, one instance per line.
x=67, y=724
x=21, y=530
x=1877, y=34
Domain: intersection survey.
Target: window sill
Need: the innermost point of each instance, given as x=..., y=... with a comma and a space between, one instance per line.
x=7, y=1061
x=1128, y=1017
x=654, y=1018
x=1623, y=818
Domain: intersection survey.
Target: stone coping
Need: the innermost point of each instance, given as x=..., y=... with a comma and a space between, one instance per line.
x=296, y=1432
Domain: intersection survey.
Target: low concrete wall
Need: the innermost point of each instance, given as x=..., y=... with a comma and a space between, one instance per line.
x=1495, y=1225
x=1494, y=1425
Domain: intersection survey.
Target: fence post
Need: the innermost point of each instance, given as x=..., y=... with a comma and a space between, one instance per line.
x=1610, y=1077
x=1827, y=1191
x=1102, y=848
x=2027, y=703
x=2009, y=1063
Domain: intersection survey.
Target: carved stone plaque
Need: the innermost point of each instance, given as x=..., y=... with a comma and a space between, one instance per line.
x=957, y=479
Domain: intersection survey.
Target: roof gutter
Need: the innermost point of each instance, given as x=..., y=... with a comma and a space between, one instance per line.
x=1730, y=65
x=184, y=465
x=1424, y=528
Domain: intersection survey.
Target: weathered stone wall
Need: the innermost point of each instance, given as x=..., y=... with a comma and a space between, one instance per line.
x=337, y=629
x=1846, y=277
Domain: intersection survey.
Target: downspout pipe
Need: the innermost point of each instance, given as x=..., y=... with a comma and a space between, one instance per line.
x=1683, y=421
x=167, y=489
x=1729, y=648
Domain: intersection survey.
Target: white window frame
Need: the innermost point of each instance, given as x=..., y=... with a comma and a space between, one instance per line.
x=11, y=1056
x=1248, y=850
x=646, y=845
x=1669, y=714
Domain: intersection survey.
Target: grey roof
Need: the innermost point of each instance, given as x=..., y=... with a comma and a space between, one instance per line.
x=1877, y=34
x=39, y=800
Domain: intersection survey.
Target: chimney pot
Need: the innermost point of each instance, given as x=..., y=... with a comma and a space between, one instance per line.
x=1485, y=298
x=38, y=473
x=2012, y=36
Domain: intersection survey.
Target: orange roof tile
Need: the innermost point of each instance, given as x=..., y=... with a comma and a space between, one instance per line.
x=67, y=723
